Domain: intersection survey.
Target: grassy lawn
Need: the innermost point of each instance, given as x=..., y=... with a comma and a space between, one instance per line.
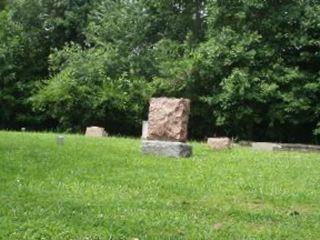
x=106, y=189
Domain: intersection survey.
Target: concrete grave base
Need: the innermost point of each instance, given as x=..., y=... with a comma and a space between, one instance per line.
x=169, y=149
x=265, y=146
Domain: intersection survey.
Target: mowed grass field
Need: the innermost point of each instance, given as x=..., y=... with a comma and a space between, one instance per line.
x=106, y=189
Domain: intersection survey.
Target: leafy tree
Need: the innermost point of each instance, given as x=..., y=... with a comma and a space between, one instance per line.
x=29, y=29
x=123, y=59
x=12, y=84
x=251, y=68
x=82, y=93
x=260, y=68
x=3, y=4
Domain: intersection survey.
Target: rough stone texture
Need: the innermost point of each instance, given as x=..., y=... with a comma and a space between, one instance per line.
x=266, y=146
x=95, y=132
x=144, y=130
x=219, y=143
x=164, y=148
x=168, y=119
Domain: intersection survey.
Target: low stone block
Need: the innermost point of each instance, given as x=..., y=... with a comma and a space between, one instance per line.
x=298, y=147
x=144, y=130
x=265, y=146
x=164, y=148
x=96, y=132
x=269, y=146
x=245, y=143
x=219, y=143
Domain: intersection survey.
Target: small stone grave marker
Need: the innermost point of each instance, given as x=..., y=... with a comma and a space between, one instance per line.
x=265, y=146
x=219, y=143
x=60, y=140
x=144, y=129
x=95, y=132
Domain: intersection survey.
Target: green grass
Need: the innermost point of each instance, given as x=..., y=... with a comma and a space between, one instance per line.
x=106, y=189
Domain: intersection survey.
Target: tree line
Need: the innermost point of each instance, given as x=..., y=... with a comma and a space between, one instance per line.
x=250, y=67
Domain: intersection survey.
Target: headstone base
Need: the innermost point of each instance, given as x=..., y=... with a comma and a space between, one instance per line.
x=168, y=149
x=265, y=146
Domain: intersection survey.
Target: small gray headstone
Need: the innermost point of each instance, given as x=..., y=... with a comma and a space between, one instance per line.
x=60, y=140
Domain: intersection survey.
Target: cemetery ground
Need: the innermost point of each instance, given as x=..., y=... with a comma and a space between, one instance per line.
x=92, y=188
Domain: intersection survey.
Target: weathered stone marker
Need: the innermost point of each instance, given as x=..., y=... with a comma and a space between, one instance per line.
x=168, y=128
x=266, y=146
x=168, y=119
x=144, y=130
x=96, y=132
x=219, y=143
x=60, y=140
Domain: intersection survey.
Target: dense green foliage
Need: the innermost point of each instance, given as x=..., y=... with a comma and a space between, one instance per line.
x=251, y=68
x=86, y=189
